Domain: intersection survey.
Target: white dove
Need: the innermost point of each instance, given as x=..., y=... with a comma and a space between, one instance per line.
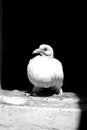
x=45, y=71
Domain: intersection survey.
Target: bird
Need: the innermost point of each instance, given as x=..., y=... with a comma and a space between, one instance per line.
x=45, y=71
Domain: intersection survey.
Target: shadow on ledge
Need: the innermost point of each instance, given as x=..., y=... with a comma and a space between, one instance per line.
x=44, y=92
x=83, y=118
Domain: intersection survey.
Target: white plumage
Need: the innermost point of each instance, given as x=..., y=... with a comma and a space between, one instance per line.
x=44, y=71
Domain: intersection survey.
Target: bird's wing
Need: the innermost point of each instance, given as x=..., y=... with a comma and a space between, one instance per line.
x=58, y=69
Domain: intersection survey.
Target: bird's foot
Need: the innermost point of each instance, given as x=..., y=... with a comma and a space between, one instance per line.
x=59, y=95
x=33, y=94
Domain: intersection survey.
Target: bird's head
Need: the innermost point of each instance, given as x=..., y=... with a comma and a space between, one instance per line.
x=45, y=50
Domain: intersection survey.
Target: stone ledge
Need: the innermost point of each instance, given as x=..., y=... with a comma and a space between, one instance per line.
x=40, y=113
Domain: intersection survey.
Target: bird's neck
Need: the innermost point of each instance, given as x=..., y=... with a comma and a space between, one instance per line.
x=46, y=55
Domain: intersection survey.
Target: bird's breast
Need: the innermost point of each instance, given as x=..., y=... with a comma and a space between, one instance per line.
x=44, y=67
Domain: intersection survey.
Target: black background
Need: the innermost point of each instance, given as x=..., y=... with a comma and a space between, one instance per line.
x=63, y=28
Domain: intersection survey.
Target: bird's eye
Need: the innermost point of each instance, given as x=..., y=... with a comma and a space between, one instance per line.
x=45, y=49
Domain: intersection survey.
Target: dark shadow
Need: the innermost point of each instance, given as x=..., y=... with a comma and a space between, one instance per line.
x=0, y=37
x=44, y=92
x=83, y=118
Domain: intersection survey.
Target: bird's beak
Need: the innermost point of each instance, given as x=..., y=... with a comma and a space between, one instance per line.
x=36, y=51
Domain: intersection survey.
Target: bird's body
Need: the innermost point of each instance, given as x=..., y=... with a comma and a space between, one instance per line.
x=44, y=68
x=45, y=71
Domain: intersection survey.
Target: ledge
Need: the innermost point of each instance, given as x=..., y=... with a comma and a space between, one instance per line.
x=25, y=112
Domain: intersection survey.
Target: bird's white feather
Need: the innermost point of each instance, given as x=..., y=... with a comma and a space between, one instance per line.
x=45, y=68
